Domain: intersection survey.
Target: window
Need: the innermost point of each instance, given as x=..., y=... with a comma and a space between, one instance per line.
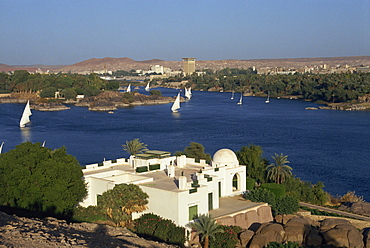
x=193, y=211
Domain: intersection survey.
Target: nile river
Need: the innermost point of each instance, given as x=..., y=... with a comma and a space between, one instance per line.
x=322, y=145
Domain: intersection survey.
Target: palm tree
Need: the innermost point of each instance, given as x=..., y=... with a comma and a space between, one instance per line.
x=134, y=146
x=278, y=171
x=206, y=227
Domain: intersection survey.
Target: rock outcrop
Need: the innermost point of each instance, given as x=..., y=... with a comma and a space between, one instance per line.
x=304, y=232
x=44, y=233
x=362, y=208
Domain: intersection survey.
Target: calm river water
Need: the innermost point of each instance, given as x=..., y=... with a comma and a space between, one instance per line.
x=322, y=145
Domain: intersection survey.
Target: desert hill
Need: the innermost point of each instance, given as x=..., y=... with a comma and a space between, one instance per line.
x=127, y=64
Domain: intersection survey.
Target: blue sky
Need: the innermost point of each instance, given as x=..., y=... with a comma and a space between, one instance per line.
x=55, y=32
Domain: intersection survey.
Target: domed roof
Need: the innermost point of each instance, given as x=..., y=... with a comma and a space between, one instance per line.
x=225, y=156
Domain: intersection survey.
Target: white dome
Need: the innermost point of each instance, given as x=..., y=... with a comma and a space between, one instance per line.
x=225, y=156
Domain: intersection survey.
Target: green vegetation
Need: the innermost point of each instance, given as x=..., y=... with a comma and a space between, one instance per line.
x=47, y=84
x=206, y=227
x=277, y=189
x=39, y=179
x=228, y=238
x=155, y=93
x=196, y=150
x=286, y=204
x=134, y=147
x=120, y=202
x=154, y=227
x=336, y=87
x=251, y=157
x=319, y=212
x=289, y=244
x=278, y=171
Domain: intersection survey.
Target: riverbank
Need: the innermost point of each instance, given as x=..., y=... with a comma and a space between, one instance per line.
x=106, y=101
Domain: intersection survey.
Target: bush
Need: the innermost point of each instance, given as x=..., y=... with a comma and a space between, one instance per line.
x=290, y=244
x=157, y=228
x=286, y=205
x=250, y=183
x=228, y=238
x=261, y=195
x=155, y=93
x=277, y=189
x=89, y=214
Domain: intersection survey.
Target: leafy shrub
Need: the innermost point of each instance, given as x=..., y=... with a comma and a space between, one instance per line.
x=155, y=227
x=250, y=183
x=351, y=196
x=277, y=189
x=286, y=205
x=228, y=238
x=89, y=214
x=319, y=212
x=155, y=93
x=289, y=244
x=261, y=195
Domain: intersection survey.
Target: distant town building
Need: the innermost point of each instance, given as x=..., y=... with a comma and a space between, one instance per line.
x=189, y=66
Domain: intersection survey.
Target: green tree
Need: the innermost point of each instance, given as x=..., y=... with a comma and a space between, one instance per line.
x=69, y=93
x=251, y=157
x=196, y=150
x=134, y=147
x=40, y=179
x=279, y=171
x=120, y=202
x=155, y=93
x=205, y=226
x=48, y=92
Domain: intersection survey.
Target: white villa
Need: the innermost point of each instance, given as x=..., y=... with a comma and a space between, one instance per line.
x=178, y=187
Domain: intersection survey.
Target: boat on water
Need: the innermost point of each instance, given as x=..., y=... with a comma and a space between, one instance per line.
x=187, y=93
x=241, y=99
x=26, y=115
x=268, y=97
x=128, y=88
x=147, y=88
x=1, y=147
x=176, y=105
x=232, y=95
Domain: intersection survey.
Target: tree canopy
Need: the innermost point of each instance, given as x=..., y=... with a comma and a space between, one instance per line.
x=196, y=150
x=40, y=179
x=251, y=157
x=134, y=146
x=120, y=202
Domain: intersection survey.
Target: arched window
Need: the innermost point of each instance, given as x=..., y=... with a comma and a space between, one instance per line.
x=235, y=182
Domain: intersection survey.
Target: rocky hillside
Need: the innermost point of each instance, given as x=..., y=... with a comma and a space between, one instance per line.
x=44, y=233
x=127, y=64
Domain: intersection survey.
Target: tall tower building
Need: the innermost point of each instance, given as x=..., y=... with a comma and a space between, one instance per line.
x=189, y=66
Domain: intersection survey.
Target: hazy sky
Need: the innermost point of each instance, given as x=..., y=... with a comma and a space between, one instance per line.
x=58, y=32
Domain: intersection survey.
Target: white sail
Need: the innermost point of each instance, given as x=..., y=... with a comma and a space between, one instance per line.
x=147, y=88
x=128, y=88
x=43, y=144
x=241, y=99
x=176, y=104
x=187, y=93
x=1, y=147
x=26, y=115
x=190, y=91
x=232, y=95
x=268, y=97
